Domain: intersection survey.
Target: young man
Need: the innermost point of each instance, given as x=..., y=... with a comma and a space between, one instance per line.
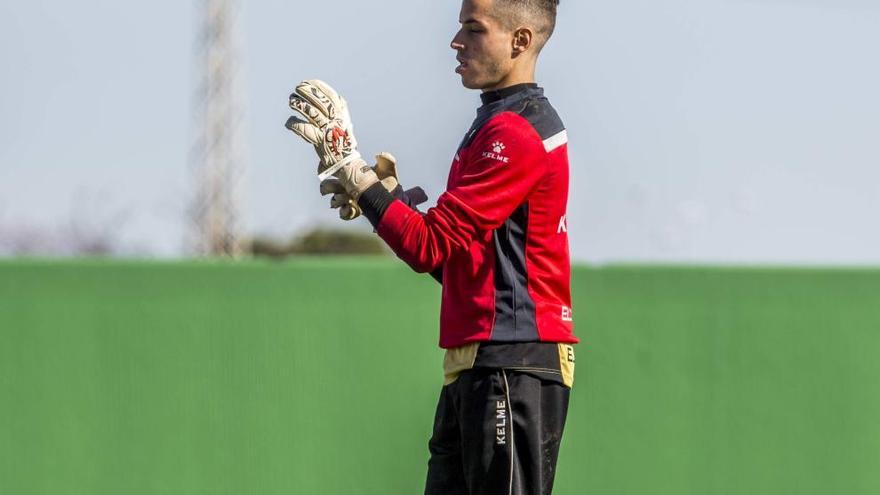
x=497, y=240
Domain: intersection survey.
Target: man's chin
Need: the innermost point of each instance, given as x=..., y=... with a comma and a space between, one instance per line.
x=483, y=84
x=472, y=84
x=469, y=85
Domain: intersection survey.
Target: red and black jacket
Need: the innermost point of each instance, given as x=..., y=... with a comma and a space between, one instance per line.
x=499, y=232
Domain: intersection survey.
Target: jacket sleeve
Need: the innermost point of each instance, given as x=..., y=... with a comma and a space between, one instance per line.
x=502, y=166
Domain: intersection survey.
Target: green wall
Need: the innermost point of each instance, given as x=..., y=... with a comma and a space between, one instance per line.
x=320, y=377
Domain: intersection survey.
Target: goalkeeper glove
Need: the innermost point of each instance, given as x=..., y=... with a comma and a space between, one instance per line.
x=329, y=129
x=386, y=170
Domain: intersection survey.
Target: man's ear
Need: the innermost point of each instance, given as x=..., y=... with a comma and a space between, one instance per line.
x=522, y=40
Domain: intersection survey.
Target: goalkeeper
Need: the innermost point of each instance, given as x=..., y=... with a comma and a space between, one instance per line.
x=498, y=242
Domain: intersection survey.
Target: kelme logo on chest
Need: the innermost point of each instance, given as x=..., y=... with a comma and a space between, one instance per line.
x=495, y=152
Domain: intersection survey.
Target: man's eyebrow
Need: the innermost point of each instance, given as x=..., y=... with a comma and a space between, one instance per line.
x=471, y=21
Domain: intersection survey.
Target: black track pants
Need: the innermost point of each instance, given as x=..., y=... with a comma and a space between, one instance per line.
x=496, y=431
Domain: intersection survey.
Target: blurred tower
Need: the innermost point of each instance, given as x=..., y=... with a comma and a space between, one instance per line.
x=217, y=158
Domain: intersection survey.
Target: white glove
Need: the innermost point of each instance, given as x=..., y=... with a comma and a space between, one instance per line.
x=328, y=128
x=385, y=170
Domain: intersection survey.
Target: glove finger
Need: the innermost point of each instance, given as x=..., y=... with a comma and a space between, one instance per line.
x=326, y=90
x=386, y=165
x=331, y=186
x=340, y=199
x=314, y=114
x=305, y=130
x=321, y=95
x=341, y=105
x=349, y=212
x=323, y=87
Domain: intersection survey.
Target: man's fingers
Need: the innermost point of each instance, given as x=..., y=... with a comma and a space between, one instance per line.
x=386, y=165
x=348, y=209
x=349, y=212
x=321, y=95
x=340, y=199
x=304, y=130
x=324, y=87
x=386, y=170
x=331, y=186
x=314, y=114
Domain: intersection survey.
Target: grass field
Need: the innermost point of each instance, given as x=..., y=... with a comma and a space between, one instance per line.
x=211, y=378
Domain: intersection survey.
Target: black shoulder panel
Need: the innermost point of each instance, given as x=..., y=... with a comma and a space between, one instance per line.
x=530, y=104
x=541, y=115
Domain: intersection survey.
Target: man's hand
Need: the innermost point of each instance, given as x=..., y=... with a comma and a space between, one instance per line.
x=328, y=128
x=386, y=170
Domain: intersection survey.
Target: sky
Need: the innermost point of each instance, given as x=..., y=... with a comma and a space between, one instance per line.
x=704, y=131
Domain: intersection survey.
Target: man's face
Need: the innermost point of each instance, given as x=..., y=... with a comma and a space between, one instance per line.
x=483, y=45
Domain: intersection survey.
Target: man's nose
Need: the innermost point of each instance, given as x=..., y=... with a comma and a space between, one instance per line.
x=455, y=44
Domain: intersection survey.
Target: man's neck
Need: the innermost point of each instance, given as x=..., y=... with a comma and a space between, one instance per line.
x=525, y=74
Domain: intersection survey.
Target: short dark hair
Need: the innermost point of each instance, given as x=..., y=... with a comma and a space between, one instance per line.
x=540, y=14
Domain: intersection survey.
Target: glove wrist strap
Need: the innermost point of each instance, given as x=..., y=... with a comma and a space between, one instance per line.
x=338, y=165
